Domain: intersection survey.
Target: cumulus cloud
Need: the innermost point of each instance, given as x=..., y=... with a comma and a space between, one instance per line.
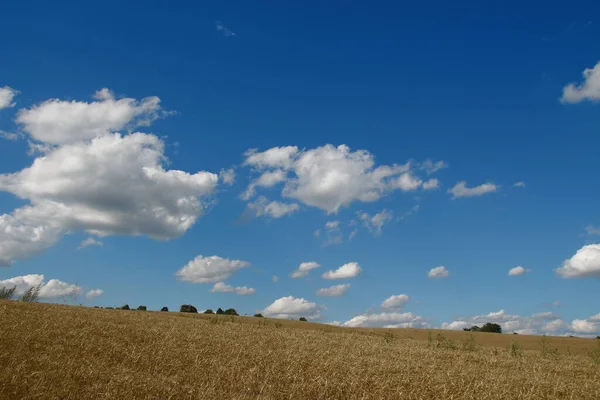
x=292, y=308
x=519, y=184
x=431, y=167
x=396, y=301
x=110, y=185
x=267, y=179
x=209, y=269
x=375, y=223
x=52, y=289
x=92, y=294
x=305, y=268
x=222, y=287
x=461, y=190
x=273, y=209
x=517, y=271
x=90, y=242
x=7, y=94
x=60, y=121
x=588, y=90
x=387, y=320
x=438, y=272
x=431, y=184
x=541, y=323
x=334, y=291
x=349, y=270
x=330, y=177
x=584, y=264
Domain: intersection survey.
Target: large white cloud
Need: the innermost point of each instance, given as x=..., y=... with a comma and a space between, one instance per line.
x=584, y=264
x=330, y=177
x=292, y=308
x=461, y=190
x=92, y=294
x=348, y=270
x=305, y=268
x=60, y=121
x=109, y=185
x=222, y=287
x=396, y=301
x=588, y=90
x=52, y=289
x=334, y=291
x=387, y=320
x=210, y=269
x=7, y=95
x=541, y=323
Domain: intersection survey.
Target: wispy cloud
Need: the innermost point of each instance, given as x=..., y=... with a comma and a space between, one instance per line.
x=224, y=30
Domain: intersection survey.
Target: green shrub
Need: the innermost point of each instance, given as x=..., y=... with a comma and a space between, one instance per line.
x=209, y=311
x=188, y=308
x=303, y=319
x=125, y=307
x=166, y=309
x=230, y=311
x=142, y=308
x=220, y=311
x=259, y=315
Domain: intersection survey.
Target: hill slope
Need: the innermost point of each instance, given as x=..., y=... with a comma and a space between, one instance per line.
x=65, y=352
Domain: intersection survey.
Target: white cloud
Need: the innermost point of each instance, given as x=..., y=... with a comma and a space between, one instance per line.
x=274, y=209
x=519, y=184
x=7, y=95
x=389, y=320
x=8, y=135
x=332, y=224
x=349, y=270
x=330, y=177
x=60, y=121
x=353, y=234
x=266, y=179
x=227, y=176
x=410, y=212
x=333, y=233
x=438, y=272
x=542, y=323
x=92, y=294
x=517, y=271
x=584, y=264
x=588, y=90
x=592, y=230
x=375, y=223
x=305, y=268
x=90, y=242
x=222, y=287
x=275, y=278
x=334, y=291
x=52, y=289
x=431, y=167
x=461, y=190
x=292, y=308
x=210, y=269
x=223, y=29
x=396, y=301
x=431, y=184
x=110, y=185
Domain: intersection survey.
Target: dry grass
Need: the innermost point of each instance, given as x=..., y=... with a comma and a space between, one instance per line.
x=63, y=352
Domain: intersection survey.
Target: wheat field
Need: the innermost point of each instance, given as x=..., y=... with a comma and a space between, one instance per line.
x=50, y=351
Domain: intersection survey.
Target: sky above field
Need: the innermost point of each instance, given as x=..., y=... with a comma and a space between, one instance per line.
x=425, y=165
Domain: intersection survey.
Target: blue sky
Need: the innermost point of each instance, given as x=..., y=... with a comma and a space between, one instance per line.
x=366, y=115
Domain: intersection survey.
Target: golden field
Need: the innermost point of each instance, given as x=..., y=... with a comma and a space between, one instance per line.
x=50, y=351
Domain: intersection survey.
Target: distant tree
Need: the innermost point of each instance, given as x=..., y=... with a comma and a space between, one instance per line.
x=110, y=308
x=6, y=293
x=474, y=328
x=219, y=311
x=142, y=308
x=209, y=311
x=303, y=319
x=125, y=307
x=32, y=294
x=165, y=309
x=515, y=333
x=230, y=311
x=258, y=315
x=491, y=327
x=188, y=308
